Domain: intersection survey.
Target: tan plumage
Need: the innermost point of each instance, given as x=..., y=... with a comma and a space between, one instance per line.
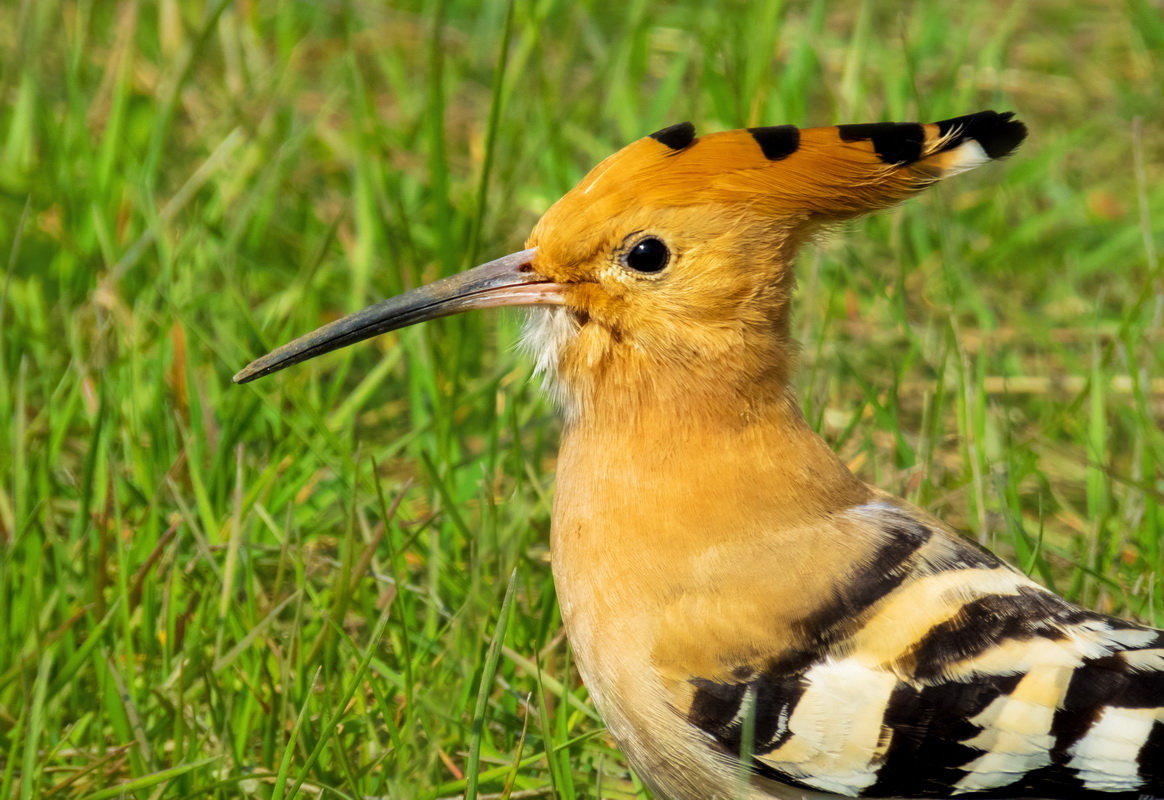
x=750, y=618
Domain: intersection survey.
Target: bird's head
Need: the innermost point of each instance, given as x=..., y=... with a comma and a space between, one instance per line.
x=668, y=269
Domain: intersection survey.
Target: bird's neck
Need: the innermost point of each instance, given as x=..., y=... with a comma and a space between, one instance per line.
x=709, y=442
x=652, y=504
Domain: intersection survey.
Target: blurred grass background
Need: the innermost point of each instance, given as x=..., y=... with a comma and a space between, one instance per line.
x=301, y=587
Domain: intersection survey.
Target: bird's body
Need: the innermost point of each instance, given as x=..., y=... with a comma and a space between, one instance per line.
x=880, y=653
x=751, y=619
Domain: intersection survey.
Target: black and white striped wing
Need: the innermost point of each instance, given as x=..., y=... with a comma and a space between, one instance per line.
x=961, y=679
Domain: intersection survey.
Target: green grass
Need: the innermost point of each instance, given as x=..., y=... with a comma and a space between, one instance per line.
x=334, y=582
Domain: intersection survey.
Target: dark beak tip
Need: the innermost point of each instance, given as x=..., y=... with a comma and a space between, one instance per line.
x=247, y=374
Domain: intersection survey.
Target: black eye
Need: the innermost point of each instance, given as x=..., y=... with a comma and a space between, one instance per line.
x=649, y=255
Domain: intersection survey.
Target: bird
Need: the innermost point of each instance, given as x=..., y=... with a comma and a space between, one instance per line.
x=752, y=620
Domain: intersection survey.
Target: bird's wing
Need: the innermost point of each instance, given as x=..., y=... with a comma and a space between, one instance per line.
x=941, y=672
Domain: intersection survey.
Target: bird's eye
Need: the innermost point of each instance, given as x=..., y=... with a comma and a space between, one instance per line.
x=648, y=255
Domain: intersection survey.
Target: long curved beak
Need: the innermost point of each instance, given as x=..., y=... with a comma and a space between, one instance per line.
x=508, y=281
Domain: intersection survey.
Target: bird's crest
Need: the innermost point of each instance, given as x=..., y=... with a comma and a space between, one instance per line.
x=828, y=173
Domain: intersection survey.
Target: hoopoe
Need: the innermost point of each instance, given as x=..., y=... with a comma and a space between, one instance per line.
x=751, y=620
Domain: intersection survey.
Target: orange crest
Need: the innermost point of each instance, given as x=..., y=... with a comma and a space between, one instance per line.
x=783, y=172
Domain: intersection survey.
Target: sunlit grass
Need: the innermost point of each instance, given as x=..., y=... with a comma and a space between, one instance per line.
x=298, y=585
